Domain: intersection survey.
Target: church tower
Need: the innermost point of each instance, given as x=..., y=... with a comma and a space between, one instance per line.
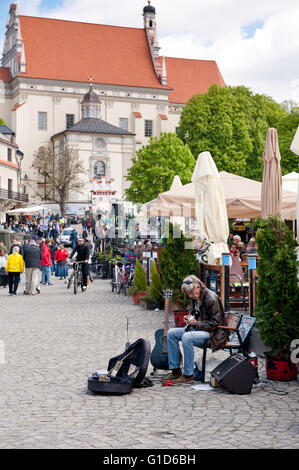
x=91, y=105
x=150, y=26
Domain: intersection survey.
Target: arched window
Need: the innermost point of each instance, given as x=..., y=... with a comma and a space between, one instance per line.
x=99, y=169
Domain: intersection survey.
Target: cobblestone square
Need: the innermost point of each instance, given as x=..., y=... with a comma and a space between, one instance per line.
x=54, y=341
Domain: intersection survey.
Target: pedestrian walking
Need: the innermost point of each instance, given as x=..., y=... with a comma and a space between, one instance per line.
x=14, y=266
x=3, y=261
x=46, y=263
x=32, y=260
x=61, y=257
x=74, y=237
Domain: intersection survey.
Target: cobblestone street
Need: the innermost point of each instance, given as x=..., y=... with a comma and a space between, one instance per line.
x=55, y=340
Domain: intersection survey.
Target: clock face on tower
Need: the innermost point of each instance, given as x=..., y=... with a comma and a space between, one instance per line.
x=100, y=143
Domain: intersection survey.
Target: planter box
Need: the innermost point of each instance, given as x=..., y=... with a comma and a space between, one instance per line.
x=154, y=305
x=137, y=296
x=281, y=369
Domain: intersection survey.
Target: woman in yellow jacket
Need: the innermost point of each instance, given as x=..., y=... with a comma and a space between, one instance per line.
x=14, y=266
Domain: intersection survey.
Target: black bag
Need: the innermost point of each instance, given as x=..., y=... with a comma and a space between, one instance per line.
x=130, y=367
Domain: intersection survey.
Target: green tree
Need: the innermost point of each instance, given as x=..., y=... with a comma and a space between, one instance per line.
x=286, y=129
x=231, y=123
x=155, y=166
x=2, y=122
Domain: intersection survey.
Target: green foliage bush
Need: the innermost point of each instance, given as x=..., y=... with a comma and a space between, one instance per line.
x=155, y=288
x=177, y=262
x=277, y=289
x=140, y=284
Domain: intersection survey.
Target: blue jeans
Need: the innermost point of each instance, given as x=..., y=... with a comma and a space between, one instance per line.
x=189, y=340
x=46, y=274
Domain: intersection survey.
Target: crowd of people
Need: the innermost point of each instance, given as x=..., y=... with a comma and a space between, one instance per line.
x=41, y=255
x=239, y=249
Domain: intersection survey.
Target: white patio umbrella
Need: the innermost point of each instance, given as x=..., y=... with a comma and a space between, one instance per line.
x=177, y=184
x=295, y=149
x=210, y=207
x=28, y=210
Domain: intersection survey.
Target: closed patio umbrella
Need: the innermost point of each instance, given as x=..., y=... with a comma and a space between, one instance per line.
x=272, y=180
x=210, y=206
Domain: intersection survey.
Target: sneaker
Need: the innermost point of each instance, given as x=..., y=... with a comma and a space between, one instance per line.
x=172, y=376
x=50, y=284
x=9, y=293
x=84, y=288
x=184, y=380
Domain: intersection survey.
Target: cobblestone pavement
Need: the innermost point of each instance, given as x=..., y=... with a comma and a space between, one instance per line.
x=55, y=340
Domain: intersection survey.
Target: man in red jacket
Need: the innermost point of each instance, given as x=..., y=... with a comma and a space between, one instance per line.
x=46, y=263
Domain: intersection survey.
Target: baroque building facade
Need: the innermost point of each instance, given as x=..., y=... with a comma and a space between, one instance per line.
x=47, y=65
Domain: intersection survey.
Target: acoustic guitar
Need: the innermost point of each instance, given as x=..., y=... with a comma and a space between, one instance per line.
x=159, y=356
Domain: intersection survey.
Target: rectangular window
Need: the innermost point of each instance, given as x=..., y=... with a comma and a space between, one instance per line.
x=69, y=120
x=148, y=128
x=9, y=155
x=42, y=121
x=61, y=146
x=123, y=123
x=9, y=187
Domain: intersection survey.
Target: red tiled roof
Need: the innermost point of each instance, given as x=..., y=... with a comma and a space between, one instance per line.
x=72, y=51
x=5, y=74
x=114, y=55
x=188, y=77
x=13, y=165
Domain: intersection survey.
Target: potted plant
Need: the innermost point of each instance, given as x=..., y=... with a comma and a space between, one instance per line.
x=140, y=284
x=155, y=299
x=277, y=296
x=177, y=262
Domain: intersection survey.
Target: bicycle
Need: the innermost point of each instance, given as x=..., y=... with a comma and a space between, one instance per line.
x=76, y=277
x=117, y=277
x=127, y=278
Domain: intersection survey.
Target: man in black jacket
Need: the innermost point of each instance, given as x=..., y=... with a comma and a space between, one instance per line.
x=32, y=258
x=82, y=251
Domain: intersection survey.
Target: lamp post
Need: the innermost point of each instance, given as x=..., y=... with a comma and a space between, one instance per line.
x=251, y=268
x=226, y=263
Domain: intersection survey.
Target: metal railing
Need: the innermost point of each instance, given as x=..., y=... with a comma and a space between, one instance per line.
x=7, y=194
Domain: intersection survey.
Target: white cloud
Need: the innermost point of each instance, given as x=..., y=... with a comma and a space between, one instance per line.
x=266, y=60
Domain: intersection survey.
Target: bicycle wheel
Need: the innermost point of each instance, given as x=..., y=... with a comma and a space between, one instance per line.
x=118, y=282
x=125, y=286
x=75, y=283
x=69, y=282
x=81, y=281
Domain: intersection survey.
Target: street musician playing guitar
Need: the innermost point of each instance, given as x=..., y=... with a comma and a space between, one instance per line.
x=205, y=315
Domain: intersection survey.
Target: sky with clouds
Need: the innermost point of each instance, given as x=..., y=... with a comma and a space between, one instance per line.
x=255, y=43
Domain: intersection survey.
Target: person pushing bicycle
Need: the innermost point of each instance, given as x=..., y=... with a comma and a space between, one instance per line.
x=82, y=251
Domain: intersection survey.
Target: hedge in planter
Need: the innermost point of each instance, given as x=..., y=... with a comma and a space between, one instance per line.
x=156, y=290
x=277, y=289
x=140, y=284
x=176, y=264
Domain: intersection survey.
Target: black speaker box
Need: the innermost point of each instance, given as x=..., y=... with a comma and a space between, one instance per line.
x=236, y=374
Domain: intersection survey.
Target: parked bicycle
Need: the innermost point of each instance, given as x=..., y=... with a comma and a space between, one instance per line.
x=117, y=276
x=98, y=268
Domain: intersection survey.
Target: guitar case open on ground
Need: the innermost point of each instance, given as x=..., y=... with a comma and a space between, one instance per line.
x=125, y=371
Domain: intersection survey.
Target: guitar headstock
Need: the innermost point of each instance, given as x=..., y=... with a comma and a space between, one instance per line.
x=167, y=293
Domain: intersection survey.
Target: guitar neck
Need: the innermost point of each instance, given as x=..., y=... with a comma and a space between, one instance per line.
x=166, y=312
